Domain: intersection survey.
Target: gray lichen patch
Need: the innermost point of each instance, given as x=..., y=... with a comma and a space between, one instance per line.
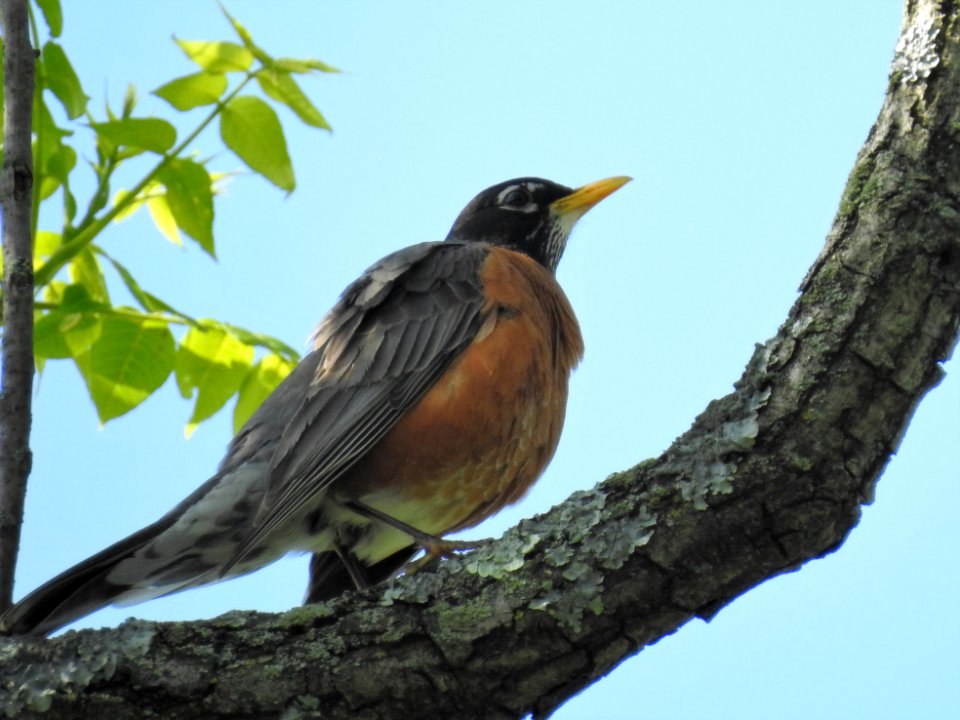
x=569, y=604
x=614, y=542
x=503, y=557
x=592, y=534
x=739, y=434
x=713, y=479
x=715, y=470
x=570, y=522
x=916, y=54
x=46, y=669
x=418, y=587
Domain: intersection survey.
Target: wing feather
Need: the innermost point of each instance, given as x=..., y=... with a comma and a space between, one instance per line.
x=384, y=344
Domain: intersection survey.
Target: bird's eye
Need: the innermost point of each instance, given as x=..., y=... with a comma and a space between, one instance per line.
x=517, y=198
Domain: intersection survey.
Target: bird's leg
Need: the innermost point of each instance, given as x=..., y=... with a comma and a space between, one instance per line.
x=433, y=545
x=354, y=569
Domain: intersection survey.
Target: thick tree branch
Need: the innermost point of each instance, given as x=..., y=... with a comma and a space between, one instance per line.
x=767, y=478
x=16, y=189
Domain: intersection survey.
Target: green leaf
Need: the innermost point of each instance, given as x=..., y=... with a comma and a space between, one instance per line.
x=52, y=15
x=127, y=363
x=250, y=128
x=132, y=285
x=217, y=57
x=129, y=101
x=45, y=243
x=259, y=383
x=129, y=206
x=85, y=270
x=148, y=301
x=61, y=162
x=151, y=134
x=76, y=298
x=60, y=77
x=247, y=39
x=190, y=199
x=69, y=206
x=126, y=153
x=53, y=292
x=163, y=218
x=133, y=203
x=283, y=88
x=305, y=65
x=270, y=343
x=214, y=363
x=43, y=122
x=59, y=335
x=100, y=198
x=190, y=91
x=56, y=162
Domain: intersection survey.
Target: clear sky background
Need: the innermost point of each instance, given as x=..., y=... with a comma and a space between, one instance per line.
x=740, y=122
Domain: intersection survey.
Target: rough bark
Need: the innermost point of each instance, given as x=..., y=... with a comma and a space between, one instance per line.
x=16, y=188
x=767, y=478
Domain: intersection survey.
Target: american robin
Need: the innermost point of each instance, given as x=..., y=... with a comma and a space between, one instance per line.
x=434, y=395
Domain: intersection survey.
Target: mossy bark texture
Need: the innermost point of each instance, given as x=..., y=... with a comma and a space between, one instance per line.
x=767, y=478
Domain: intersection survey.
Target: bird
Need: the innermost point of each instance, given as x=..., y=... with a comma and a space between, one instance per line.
x=433, y=396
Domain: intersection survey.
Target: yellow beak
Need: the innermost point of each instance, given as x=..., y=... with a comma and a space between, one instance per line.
x=582, y=199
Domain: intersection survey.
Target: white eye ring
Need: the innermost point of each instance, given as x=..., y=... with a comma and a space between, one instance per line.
x=517, y=198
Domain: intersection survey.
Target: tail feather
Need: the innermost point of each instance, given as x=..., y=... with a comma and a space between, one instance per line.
x=329, y=577
x=77, y=591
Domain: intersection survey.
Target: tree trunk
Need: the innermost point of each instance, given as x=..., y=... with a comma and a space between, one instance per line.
x=767, y=478
x=16, y=197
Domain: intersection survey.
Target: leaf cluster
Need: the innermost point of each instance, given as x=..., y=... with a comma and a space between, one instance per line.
x=125, y=353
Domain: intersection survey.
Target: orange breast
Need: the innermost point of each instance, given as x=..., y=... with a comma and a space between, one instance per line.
x=484, y=433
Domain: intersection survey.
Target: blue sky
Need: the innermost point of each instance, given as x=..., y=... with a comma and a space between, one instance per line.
x=739, y=122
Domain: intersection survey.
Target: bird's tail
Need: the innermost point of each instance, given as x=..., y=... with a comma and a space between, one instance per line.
x=329, y=575
x=78, y=591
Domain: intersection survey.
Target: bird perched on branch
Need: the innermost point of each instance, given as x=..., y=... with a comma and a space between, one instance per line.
x=434, y=396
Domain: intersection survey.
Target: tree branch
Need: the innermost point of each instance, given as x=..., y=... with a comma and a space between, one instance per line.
x=767, y=478
x=16, y=192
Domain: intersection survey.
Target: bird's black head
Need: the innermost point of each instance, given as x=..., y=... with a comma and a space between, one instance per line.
x=530, y=215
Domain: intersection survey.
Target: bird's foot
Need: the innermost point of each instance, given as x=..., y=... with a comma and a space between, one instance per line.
x=435, y=548
x=439, y=547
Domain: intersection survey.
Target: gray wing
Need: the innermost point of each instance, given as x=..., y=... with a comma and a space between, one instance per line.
x=377, y=352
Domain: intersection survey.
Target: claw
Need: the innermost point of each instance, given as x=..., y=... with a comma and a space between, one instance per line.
x=435, y=548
